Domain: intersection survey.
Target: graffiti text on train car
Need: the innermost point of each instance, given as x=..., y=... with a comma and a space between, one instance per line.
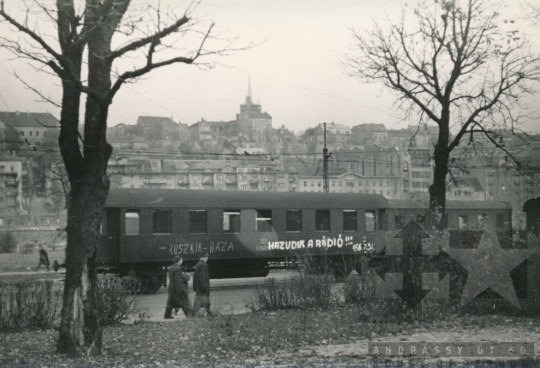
x=311, y=243
x=193, y=248
x=322, y=243
x=196, y=248
x=221, y=247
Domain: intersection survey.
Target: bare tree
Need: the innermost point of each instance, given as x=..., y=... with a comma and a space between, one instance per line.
x=90, y=26
x=531, y=9
x=456, y=63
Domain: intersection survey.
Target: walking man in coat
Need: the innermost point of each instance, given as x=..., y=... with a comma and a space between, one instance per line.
x=178, y=289
x=43, y=258
x=201, y=285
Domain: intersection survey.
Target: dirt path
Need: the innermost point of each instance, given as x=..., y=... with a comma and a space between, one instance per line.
x=356, y=353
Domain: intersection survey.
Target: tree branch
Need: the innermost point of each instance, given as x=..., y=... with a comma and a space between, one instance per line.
x=150, y=39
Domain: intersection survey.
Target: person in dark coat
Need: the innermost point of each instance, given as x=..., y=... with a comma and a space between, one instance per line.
x=178, y=290
x=201, y=285
x=43, y=258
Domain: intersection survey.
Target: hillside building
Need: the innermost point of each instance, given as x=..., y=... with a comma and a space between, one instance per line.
x=33, y=126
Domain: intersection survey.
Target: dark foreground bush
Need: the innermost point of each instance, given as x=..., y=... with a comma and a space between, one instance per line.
x=115, y=303
x=300, y=291
x=359, y=290
x=29, y=305
x=37, y=304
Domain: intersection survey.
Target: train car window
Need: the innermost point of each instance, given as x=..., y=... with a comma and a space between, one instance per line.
x=500, y=220
x=162, y=221
x=371, y=220
x=294, y=221
x=231, y=221
x=264, y=221
x=198, y=223
x=133, y=222
x=463, y=221
x=322, y=220
x=350, y=220
x=399, y=220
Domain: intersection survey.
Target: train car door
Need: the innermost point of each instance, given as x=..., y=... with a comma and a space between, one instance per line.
x=110, y=243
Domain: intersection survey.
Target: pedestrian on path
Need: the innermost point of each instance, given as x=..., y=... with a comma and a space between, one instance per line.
x=201, y=285
x=178, y=290
x=43, y=258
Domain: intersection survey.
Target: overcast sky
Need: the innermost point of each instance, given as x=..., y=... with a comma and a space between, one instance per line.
x=296, y=72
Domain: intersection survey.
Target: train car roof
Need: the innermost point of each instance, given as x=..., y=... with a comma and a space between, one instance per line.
x=424, y=204
x=167, y=198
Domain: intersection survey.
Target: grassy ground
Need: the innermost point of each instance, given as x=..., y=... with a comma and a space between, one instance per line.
x=287, y=337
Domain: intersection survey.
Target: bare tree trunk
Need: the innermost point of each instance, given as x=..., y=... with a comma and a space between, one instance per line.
x=80, y=331
x=437, y=190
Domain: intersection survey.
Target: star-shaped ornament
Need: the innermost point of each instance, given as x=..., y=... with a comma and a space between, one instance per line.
x=489, y=266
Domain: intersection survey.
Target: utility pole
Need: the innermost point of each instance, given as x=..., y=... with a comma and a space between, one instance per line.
x=326, y=155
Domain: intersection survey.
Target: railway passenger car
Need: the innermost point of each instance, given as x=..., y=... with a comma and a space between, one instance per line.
x=247, y=232
x=460, y=215
x=242, y=231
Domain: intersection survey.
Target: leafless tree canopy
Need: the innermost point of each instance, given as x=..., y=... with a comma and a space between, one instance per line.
x=98, y=46
x=459, y=64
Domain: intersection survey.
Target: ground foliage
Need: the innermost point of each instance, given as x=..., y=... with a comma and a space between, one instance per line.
x=255, y=338
x=36, y=304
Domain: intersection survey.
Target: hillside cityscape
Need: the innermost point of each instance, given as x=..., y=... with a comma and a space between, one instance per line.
x=249, y=153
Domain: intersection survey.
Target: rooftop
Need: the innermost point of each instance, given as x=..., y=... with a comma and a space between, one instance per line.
x=29, y=119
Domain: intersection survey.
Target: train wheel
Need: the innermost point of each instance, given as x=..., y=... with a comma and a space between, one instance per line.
x=150, y=285
x=262, y=272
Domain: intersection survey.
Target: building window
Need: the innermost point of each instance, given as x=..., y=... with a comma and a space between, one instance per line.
x=350, y=183
x=254, y=185
x=198, y=223
x=463, y=221
x=162, y=221
x=322, y=220
x=133, y=226
x=371, y=219
x=400, y=221
x=22, y=133
x=340, y=183
x=333, y=183
x=319, y=184
x=37, y=133
x=264, y=221
x=30, y=133
x=312, y=184
x=294, y=221
x=231, y=221
x=500, y=220
x=350, y=220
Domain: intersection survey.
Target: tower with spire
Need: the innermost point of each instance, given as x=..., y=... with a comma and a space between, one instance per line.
x=251, y=119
